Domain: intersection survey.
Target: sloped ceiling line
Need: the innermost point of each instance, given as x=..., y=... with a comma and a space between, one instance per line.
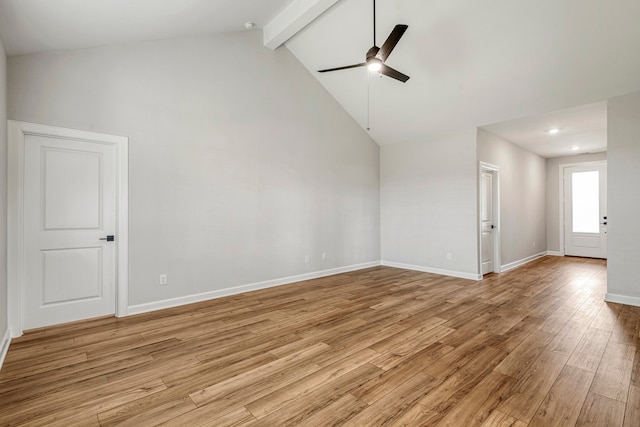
x=292, y=19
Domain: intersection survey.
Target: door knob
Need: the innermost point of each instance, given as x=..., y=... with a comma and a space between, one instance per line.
x=109, y=238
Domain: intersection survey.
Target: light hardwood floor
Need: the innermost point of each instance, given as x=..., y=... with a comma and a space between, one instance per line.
x=536, y=346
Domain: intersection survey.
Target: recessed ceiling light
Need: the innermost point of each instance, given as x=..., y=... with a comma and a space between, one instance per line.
x=575, y=148
x=249, y=25
x=553, y=131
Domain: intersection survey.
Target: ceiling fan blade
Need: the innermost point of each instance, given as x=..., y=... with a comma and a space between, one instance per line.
x=362, y=64
x=394, y=74
x=391, y=41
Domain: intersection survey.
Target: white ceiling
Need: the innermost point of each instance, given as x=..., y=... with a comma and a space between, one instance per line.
x=474, y=63
x=580, y=130
x=471, y=63
x=30, y=26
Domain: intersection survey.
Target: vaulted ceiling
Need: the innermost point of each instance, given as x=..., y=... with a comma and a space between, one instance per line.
x=471, y=63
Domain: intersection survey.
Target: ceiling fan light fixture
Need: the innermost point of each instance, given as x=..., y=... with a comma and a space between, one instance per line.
x=374, y=64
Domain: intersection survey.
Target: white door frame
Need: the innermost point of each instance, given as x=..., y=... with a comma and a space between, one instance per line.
x=15, y=203
x=561, y=169
x=495, y=171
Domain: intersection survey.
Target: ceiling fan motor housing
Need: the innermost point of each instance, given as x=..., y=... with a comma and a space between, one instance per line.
x=371, y=53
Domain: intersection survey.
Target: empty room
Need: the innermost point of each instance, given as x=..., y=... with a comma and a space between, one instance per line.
x=319, y=213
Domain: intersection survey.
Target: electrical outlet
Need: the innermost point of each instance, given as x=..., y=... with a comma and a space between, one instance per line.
x=163, y=279
x=307, y=258
x=324, y=256
x=534, y=244
x=448, y=256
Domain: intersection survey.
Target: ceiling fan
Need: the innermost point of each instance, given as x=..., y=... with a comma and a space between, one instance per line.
x=376, y=56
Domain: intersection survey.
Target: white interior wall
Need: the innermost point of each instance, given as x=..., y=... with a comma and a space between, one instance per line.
x=240, y=162
x=623, y=173
x=522, y=197
x=428, y=199
x=553, y=197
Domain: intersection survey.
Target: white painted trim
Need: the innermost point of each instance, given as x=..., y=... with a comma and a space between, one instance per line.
x=4, y=346
x=622, y=299
x=292, y=19
x=489, y=166
x=205, y=296
x=15, y=221
x=523, y=261
x=122, y=243
x=495, y=170
x=459, y=274
x=554, y=253
x=561, y=168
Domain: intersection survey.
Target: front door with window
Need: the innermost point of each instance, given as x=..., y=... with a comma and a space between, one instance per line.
x=585, y=211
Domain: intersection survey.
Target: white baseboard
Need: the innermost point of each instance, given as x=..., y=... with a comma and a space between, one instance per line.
x=205, y=296
x=555, y=253
x=622, y=299
x=522, y=261
x=4, y=346
x=461, y=275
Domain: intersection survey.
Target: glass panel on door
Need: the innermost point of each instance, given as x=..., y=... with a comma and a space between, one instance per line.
x=586, y=202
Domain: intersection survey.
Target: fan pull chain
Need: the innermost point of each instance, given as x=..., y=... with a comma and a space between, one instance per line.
x=368, y=101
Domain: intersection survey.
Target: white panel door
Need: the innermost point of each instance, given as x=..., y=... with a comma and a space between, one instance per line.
x=69, y=207
x=585, y=211
x=486, y=222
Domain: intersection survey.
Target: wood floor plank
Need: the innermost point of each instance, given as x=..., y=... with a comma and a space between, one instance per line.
x=534, y=386
x=91, y=402
x=198, y=418
x=389, y=408
x=607, y=316
x=339, y=412
x=430, y=354
x=588, y=353
x=535, y=345
x=406, y=338
x=431, y=408
x=500, y=419
x=262, y=386
x=399, y=371
x=156, y=414
x=614, y=372
x=460, y=356
x=23, y=371
x=246, y=378
x=561, y=406
x=475, y=407
x=300, y=388
x=599, y=411
x=301, y=409
x=635, y=371
x=568, y=338
x=625, y=329
x=523, y=356
x=632, y=413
